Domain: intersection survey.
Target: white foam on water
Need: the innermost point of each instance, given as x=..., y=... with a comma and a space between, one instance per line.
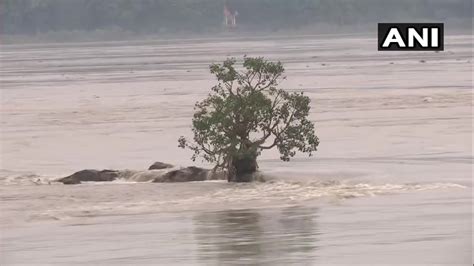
x=23, y=178
x=259, y=194
x=281, y=190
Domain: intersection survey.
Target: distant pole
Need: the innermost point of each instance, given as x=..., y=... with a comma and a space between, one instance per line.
x=230, y=16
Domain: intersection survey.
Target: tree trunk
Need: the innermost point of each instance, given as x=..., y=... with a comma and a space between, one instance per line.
x=243, y=169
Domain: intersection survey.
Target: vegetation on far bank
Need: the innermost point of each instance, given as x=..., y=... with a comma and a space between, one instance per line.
x=106, y=19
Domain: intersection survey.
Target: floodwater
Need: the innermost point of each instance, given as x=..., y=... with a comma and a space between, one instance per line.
x=390, y=184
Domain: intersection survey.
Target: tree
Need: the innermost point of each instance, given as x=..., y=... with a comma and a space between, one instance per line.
x=245, y=114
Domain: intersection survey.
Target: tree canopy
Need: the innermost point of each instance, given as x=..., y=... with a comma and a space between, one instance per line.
x=247, y=113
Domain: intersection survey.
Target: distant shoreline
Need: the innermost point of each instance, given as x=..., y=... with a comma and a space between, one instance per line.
x=105, y=36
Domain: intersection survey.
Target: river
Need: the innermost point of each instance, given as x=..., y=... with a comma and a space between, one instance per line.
x=390, y=184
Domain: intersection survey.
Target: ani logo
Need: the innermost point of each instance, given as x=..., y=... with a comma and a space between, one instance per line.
x=411, y=36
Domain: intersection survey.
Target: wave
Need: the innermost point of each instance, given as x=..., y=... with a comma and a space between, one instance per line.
x=307, y=186
x=8, y=177
x=122, y=199
x=283, y=190
x=229, y=196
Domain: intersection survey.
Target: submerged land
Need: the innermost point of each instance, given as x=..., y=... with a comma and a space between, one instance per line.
x=391, y=181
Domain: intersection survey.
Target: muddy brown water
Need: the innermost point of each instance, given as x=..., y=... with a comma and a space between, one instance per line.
x=390, y=184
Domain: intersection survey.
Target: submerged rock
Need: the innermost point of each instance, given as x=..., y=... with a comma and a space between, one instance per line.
x=427, y=99
x=217, y=175
x=160, y=165
x=163, y=175
x=90, y=175
x=187, y=174
x=146, y=176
